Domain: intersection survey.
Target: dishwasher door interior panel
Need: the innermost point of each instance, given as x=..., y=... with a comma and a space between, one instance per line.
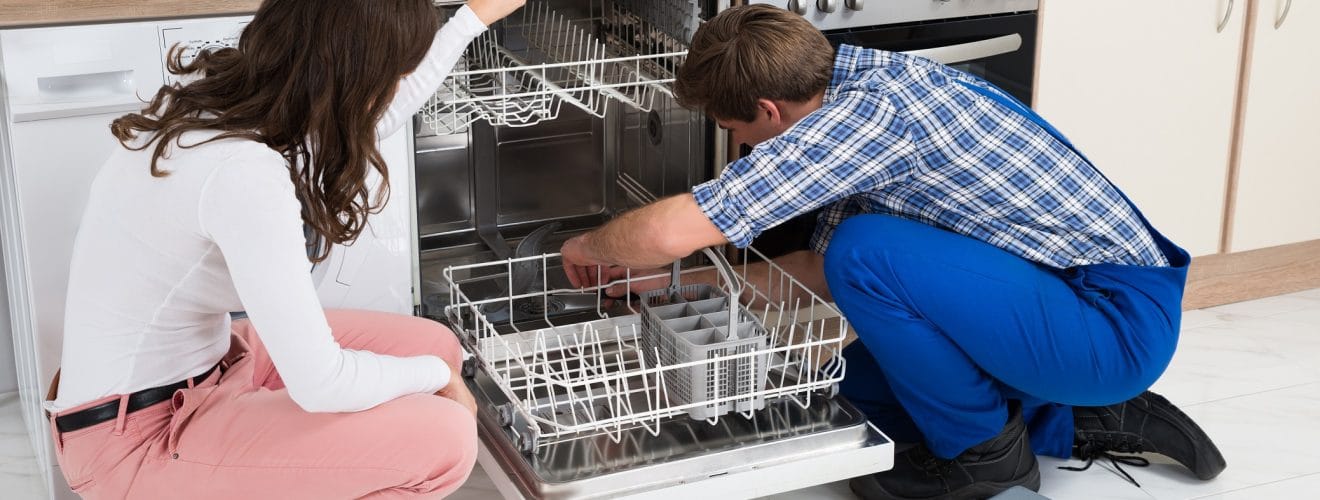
x=783, y=448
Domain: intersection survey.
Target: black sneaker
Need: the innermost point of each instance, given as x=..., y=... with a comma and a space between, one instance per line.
x=982, y=471
x=1145, y=424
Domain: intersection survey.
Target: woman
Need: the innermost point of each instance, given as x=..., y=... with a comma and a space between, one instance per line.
x=201, y=213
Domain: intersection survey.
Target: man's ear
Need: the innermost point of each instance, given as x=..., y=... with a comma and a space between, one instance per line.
x=766, y=108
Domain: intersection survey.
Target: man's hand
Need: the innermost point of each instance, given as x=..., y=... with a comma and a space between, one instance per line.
x=582, y=268
x=646, y=238
x=490, y=11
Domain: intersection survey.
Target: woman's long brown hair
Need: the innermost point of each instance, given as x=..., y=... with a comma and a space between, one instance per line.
x=309, y=79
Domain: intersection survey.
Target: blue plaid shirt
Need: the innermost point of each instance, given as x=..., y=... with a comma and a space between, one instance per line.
x=899, y=135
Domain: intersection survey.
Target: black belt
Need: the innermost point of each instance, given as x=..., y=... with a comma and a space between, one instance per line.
x=136, y=401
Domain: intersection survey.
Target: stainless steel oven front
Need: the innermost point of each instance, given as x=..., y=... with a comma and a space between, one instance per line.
x=556, y=120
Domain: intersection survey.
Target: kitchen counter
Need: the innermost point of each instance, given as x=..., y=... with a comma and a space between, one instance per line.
x=21, y=13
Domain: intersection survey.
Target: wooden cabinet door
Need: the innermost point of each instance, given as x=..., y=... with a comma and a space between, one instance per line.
x=1277, y=196
x=1147, y=90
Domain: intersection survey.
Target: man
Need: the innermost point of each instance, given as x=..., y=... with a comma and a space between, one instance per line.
x=1001, y=287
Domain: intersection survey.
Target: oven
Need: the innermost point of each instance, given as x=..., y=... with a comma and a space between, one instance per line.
x=560, y=118
x=1000, y=48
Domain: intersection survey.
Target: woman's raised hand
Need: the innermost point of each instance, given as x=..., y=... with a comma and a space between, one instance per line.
x=490, y=11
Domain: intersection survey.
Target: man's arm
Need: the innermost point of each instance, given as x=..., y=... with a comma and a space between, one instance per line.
x=648, y=237
x=660, y=233
x=857, y=143
x=806, y=266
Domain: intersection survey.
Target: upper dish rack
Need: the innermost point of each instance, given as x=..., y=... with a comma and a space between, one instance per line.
x=613, y=54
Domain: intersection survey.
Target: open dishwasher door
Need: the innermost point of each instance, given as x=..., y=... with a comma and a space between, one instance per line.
x=784, y=448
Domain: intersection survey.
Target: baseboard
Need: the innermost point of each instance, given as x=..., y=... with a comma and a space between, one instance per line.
x=1226, y=278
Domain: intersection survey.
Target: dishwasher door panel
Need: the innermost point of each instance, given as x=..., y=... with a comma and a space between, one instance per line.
x=783, y=448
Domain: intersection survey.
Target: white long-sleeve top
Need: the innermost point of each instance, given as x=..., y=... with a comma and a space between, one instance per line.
x=159, y=263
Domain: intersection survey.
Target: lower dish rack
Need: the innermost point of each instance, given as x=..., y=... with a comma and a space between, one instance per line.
x=723, y=346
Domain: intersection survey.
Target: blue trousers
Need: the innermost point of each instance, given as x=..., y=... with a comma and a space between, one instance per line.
x=952, y=328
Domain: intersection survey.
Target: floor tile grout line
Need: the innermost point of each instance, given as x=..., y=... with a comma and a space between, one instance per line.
x=1259, y=316
x=1235, y=318
x=1225, y=492
x=1266, y=391
x=1120, y=478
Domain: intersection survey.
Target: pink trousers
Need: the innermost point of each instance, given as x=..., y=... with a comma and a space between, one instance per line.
x=238, y=435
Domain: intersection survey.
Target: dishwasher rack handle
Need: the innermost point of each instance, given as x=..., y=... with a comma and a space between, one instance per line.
x=726, y=271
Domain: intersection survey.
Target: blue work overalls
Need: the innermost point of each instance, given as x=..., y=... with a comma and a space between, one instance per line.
x=951, y=328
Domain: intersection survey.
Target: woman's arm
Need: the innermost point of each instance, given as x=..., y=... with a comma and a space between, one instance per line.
x=249, y=210
x=449, y=44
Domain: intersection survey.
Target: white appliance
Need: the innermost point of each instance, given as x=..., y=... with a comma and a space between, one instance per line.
x=61, y=88
x=8, y=374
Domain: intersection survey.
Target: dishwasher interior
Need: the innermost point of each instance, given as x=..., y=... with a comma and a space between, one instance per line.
x=556, y=120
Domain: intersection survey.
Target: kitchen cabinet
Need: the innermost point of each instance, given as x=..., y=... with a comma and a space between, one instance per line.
x=1148, y=91
x=1275, y=199
x=15, y=13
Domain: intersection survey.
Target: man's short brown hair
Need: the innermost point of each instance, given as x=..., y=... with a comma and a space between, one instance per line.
x=753, y=52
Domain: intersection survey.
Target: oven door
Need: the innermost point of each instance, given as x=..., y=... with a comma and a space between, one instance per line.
x=1001, y=49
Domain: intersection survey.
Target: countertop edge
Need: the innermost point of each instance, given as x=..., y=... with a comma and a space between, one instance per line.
x=13, y=17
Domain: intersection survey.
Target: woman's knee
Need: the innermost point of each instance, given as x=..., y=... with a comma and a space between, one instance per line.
x=409, y=335
x=440, y=340
x=441, y=429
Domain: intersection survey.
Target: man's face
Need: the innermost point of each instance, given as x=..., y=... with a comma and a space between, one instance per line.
x=750, y=133
x=769, y=122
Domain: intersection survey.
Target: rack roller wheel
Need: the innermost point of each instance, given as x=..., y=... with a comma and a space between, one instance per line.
x=469, y=368
x=504, y=414
x=526, y=443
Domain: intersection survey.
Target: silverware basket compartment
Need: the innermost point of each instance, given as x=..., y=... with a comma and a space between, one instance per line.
x=690, y=328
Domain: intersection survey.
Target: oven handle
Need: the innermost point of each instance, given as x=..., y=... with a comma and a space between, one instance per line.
x=971, y=51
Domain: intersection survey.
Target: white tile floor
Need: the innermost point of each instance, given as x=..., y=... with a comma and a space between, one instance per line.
x=1247, y=372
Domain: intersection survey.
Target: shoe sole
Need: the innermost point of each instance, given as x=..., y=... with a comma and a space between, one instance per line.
x=973, y=491
x=1215, y=463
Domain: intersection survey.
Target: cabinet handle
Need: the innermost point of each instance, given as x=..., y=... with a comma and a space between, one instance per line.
x=1227, y=14
x=1279, y=22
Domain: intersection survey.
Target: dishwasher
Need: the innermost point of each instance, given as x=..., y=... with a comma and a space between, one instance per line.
x=721, y=383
